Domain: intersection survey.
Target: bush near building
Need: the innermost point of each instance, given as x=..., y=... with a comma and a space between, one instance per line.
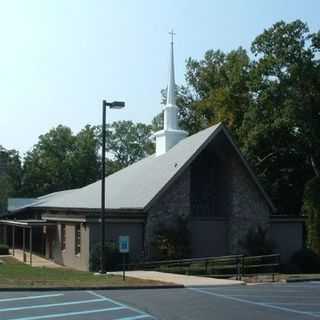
x=311, y=206
x=112, y=257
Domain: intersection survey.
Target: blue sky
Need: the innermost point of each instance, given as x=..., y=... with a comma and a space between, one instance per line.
x=59, y=58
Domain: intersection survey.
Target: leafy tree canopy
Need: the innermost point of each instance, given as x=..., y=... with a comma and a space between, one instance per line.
x=270, y=102
x=281, y=129
x=127, y=142
x=61, y=160
x=10, y=176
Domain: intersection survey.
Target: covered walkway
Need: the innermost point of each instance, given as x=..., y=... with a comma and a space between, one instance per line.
x=37, y=261
x=27, y=227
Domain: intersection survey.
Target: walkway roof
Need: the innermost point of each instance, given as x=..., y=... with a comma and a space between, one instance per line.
x=27, y=223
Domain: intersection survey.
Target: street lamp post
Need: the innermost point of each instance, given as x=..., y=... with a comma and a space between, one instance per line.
x=111, y=105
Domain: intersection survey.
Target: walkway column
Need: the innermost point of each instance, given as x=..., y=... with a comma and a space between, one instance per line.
x=24, y=244
x=31, y=246
x=13, y=238
x=5, y=237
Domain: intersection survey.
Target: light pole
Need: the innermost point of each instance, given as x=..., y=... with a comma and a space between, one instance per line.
x=111, y=105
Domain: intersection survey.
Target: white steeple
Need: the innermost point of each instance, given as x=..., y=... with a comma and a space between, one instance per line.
x=171, y=95
x=171, y=134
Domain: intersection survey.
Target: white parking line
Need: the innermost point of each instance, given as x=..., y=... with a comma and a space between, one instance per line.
x=261, y=304
x=141, y=313
x=141, y=316
x=39, y=306
x=309, y=284
x=250, y=289
x=267, y=296
x=99, y=296
x=297, y=303
x=68, y=314
x=32, y=297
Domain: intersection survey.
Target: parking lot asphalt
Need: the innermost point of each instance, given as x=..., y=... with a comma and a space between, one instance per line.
x=268, y=302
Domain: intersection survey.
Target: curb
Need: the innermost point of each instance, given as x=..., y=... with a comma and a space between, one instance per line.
x=91, y=288
x=303, y=280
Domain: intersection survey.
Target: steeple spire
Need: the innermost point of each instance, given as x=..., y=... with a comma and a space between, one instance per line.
x=171, y=95
x=171, y=134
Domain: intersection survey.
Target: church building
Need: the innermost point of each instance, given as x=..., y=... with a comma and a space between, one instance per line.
x=201, y=179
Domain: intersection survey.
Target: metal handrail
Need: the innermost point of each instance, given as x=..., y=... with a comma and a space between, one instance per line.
x=239, y=263
x=190, y=260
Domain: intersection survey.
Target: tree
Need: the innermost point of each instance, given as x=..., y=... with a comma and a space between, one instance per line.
x=61, y=160
x=189, y=119
x=85, y=161
x=311, y=208
x=172, y=239
x=10, y=176
x=127, y=142
x=47, y=165
x=220, y=87
x=281, y=129
x=271, y=104
x=217, y=90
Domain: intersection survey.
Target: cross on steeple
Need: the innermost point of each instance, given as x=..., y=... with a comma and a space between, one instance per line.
x=172, y=34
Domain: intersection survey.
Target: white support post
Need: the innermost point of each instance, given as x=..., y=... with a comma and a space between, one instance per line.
x=30, y=246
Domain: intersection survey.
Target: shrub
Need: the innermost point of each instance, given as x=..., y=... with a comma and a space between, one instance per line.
x=311, y=207
x=112, y=257
x=257, y=242
x=306, y=260
x=4, y=249
x=172, y=239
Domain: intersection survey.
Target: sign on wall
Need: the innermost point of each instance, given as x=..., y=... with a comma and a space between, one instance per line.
x=124, y=244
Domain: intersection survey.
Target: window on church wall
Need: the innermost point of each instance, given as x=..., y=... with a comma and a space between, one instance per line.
x=202, y=186
x=63, y=236
x=77, y=239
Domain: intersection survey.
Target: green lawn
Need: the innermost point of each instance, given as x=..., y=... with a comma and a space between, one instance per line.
x=16, y=274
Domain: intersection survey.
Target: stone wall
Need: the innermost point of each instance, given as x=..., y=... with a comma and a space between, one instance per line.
x=174, y=202
x=249, y=209
x=287, y=237
x=209, y=237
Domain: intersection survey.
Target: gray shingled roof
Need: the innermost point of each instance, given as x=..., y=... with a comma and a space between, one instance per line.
x=14, y=203
x=137, y=185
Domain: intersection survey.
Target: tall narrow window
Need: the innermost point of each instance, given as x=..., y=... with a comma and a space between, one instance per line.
x=77, y=239
x=202, y=185
x=63, y=236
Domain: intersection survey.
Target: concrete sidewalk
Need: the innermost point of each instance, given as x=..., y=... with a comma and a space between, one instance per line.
x=180, y=279
x=37, y=261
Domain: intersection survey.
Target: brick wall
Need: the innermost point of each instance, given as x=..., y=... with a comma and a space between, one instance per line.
x=248, y=207
x=175, y=201
x=238, y=202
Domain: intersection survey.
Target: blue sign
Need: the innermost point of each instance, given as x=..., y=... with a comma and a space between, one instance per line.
x=123, y=244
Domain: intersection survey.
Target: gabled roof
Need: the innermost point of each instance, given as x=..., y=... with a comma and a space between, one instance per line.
x=138, y=185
